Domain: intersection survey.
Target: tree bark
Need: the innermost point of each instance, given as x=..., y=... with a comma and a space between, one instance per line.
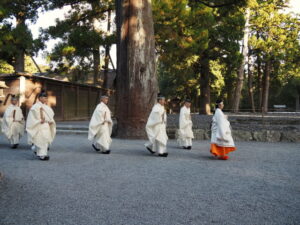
x=266, y=85
x=96, y=49
x=250, y=87
x=240, y=78
x=259, y=82
x=204, y=85
x=107, y=49
x=96, y=64
x=297, y=102
x=19, y=61
x=136, y=71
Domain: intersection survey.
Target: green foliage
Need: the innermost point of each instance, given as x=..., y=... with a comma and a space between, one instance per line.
x=14, y=39
x=183, y=31
x=275, y=37
x=5, y=67
x=80, y=34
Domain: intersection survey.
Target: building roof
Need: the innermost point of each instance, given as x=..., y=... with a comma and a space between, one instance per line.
x=2, y=85
x=42, y=77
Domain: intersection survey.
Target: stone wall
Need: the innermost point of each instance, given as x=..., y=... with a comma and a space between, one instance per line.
x=246, y=127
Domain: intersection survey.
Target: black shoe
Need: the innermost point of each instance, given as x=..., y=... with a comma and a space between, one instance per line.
x=44, y=158
x=189, y=147
x=163, y=155
x=96, y=149
x=106, y=152
x=14, y=146
x=150, y=150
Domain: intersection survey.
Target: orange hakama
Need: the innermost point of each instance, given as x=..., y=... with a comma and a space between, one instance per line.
x=220, y=151
x=221, y=139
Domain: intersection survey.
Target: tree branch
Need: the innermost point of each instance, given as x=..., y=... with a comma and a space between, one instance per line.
x=212, y=5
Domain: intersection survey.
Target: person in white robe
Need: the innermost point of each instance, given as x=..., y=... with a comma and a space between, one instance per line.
x=185, y=132
x=221, y=139
x=100, y=127
x=156, y=129
x=41, y=127
x=13, y=123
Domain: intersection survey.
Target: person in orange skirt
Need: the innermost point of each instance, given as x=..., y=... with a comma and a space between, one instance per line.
x=221, y=139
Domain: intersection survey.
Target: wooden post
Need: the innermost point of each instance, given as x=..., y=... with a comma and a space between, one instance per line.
x=89, y=102
x=77, y=101
x=62, y=102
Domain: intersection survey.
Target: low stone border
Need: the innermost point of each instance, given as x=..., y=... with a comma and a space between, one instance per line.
x=243, y=135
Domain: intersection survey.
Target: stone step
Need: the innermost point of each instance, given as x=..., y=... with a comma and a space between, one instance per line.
x=72, y=132
x=72, y=127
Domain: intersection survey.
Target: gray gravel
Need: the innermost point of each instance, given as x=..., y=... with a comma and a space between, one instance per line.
x=259, y=185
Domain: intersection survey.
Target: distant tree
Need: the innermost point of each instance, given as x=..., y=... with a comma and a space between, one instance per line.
x=81, y=35
x=16, y=41
x=275, y=44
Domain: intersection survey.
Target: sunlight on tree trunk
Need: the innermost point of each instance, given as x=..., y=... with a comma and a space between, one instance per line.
x=240, y=78
x=107, y=49
x=204, y=85
x=136, y=71
x=266, y=85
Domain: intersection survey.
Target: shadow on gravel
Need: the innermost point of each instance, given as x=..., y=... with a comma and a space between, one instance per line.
x=207, y=157
x=133, y=153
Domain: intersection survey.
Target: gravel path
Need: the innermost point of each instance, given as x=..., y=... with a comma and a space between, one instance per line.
x=260, y=184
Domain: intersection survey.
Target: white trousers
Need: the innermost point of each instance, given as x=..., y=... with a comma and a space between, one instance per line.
x=103, y=140
x=42, y=150
x=15, y=139
x=157, y=147
x=103, y=148
x=185, y=142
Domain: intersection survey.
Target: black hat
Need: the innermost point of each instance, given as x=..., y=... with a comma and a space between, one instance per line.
x=219, y=101
x=14, y=97
x=43, y=94
x=160, y=96
x=188, y=100
x=104, y=96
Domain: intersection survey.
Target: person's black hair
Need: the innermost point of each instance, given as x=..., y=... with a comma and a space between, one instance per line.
x=218, y=102
x=42, y=94
x=160, y=96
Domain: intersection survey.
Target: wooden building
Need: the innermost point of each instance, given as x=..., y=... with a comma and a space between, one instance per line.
x=70, y=101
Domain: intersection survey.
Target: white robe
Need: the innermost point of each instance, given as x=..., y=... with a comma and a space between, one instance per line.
x=220, y=131
x=156, y=129
x=41, y=135
x=185, y=132
x=100, y=127
x=13, y=124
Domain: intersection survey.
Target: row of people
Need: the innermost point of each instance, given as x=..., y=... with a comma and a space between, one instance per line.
x=40, y=125
x=41, y=128
x=100, y=129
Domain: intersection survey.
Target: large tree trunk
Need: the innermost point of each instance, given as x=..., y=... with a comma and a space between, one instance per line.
x=266, y=85
x=204, y=85
x=240, y=78
x=107, y=49
x=259, y=82
x=19, y=61
x=297, y=102
x=96, y=49
x=96, y=64
x=136, y=71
